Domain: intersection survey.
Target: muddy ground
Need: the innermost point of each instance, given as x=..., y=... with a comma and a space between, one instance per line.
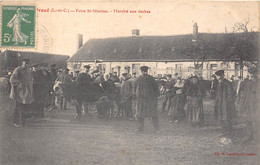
x=59, y=139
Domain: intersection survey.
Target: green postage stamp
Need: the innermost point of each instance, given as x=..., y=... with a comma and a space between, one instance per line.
x=18, y=26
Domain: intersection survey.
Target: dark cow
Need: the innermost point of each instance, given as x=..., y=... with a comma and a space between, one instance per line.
x=92, y=92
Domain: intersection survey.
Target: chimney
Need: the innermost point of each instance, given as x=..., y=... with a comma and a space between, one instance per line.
x=80, y=40
x=135, y=32
x=195, y=30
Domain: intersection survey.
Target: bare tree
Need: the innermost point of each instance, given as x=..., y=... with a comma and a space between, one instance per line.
x=242, y=45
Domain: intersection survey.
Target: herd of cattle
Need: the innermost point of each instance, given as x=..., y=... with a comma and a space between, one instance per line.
x=93, y=92
x=105, y=98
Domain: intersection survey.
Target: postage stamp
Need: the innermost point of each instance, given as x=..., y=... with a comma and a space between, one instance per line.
x=18, y=26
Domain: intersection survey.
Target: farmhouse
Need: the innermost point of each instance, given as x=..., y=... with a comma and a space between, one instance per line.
x=162, y=54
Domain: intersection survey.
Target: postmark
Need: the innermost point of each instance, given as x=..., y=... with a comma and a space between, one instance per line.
x=18, y=26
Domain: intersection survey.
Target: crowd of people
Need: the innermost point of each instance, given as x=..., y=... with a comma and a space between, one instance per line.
x=32, y=87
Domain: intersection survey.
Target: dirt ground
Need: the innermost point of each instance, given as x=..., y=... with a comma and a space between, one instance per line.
x=59, y=139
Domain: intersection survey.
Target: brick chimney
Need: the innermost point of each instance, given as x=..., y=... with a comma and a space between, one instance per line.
x=135, y=32
x=195, y=30
x=80, y=40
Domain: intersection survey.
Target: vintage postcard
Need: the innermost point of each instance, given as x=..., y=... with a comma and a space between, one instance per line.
x=129, y=82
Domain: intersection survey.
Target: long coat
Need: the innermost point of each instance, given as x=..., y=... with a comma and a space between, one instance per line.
x=40, y=86
x=22, y=85
x=225, y=101
x=83, y=78
x=64, y=78
x=251, y=100
x=126, y=90
x=147, y=93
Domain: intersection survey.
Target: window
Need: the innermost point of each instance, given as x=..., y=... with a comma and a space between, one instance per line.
x=213, y=68
x=77, y=66
x=135, y=68
x=168, y=70
x=102, y=68
x=178, y=68
x=237, y=68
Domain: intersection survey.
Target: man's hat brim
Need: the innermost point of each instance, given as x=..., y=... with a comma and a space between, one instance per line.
x=219, y=72
x=144, y=68
x=87, y=66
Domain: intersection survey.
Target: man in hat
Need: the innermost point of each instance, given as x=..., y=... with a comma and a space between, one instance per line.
x=94, y=74
x=84, y=77
x=224, y=103
x=250, y=104
x=146, y=92
x=21, y=91
x=114, y=77
x=99, y=78
x=126, y=95
x=168, y=88
x=65, y=79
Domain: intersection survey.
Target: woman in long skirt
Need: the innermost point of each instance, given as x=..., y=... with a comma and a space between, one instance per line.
x=195, y=94
x=176, y=112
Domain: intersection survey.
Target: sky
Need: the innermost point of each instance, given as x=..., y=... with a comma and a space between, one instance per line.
x=58, y=32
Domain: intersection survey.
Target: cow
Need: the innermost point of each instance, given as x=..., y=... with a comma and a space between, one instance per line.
x=92, y=92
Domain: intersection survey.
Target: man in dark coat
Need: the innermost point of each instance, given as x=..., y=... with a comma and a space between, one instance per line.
x=168, y=88
x=224, y=103
x=84, y=77
x=53, y=72
x=251, y=105
x=40, y=89
x=114, y=77
x=146, y=92
x=126, y=95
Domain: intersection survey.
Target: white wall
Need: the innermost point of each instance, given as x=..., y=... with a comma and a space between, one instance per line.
x=161, y=68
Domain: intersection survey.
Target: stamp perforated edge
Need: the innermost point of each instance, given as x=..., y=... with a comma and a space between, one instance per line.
x=36, y=26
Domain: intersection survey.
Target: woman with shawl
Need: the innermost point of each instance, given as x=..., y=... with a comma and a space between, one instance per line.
x=176, y=111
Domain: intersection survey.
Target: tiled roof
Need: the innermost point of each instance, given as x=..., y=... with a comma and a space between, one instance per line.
x=153, y=48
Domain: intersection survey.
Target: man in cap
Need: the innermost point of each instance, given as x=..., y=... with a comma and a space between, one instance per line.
x=224, y=103
x=168, y=88
x=146, y=92
x=250, y=104
x=21, y=91
x=84, y=77
x=126, y=95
